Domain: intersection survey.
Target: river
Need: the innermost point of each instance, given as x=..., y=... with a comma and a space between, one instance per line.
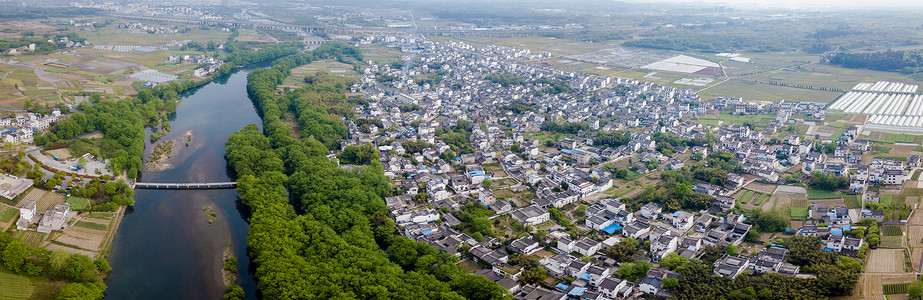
x=165, y=247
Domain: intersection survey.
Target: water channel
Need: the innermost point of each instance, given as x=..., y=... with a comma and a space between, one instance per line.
x=165, y=247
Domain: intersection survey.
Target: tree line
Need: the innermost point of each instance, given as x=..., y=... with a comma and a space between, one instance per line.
x=319, y=231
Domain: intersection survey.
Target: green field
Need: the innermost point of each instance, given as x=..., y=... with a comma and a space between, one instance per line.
x=799, y=213
x=821, y=194
x=751, y=91
x=852, y=201
x=761, y=198
x=759, y=120
x=746, y=196
x=891, y=230
x=892, y=242
x=33, y=238
x=886, y=199
x=894, y=288
x=91, y=225
x=100, y=216
x=7, y=214
x=14, y=286
x=78, y=203
x=916, y=175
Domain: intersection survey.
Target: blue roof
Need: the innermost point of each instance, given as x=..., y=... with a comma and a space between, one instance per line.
x=425, y=232
x=828, y=249
x=577, y=291
x=847, y=227
x=585, y=276
x=561, y=286
x=477, y=173
x=676, y=213
x=611, y=228
x=836, y=231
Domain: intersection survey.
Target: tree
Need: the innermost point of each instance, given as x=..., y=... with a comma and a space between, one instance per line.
x=478, y=288
x=487, y=183
x=673, y=261
x=234, y=292
x=731, y=250
x=634, y=270
x=769, y=221
x=622, y=251
x=534, y=275
x=82, y=291
x=57, y=260
x=849, y=263
x=79, y=268
x=14, y=255
x=915, y=290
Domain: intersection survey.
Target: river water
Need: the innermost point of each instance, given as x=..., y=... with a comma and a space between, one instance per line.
x=165, y=247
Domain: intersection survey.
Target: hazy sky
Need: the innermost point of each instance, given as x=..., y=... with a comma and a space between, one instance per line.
x=832, y=4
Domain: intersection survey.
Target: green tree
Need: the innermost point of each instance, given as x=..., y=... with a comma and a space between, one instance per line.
x=14, y=255
x=234, y=292
x=82, y=291
x=731, y=250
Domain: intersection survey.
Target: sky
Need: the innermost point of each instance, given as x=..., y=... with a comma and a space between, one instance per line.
x=831, y=4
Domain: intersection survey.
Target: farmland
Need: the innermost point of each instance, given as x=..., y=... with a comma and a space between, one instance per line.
x=14, y=286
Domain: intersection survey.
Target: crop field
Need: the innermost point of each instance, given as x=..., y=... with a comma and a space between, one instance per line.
x=893, y=242
x=750, y=91
x=111, y=35
x=821, y=194
x=886, y=199
x=14, y=286
x=799, y=213
x=758, y=120
x=886, y=261
x=91, y=225
x=380, y=55
x=78, y=203
x=894, y=288
x=744, y=196
x=33, y=238
x=760, y=199
x=852, y=201
x=7, y=214
x=891, y=230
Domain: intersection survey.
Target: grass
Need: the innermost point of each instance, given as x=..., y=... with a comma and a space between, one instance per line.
x=891, y=230
x=821, y=194
x=886, y=199
x=894, y=288
x=799, y=213
x=800, y=203
x=852, y=201
x=78, y=203
x=7, y=214
x=91, y=225
x=14, y=286
x=916, y=175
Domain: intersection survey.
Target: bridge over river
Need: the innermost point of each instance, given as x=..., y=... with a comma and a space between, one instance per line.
x=184, y=186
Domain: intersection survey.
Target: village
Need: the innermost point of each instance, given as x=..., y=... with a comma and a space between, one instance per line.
x=499, y=158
